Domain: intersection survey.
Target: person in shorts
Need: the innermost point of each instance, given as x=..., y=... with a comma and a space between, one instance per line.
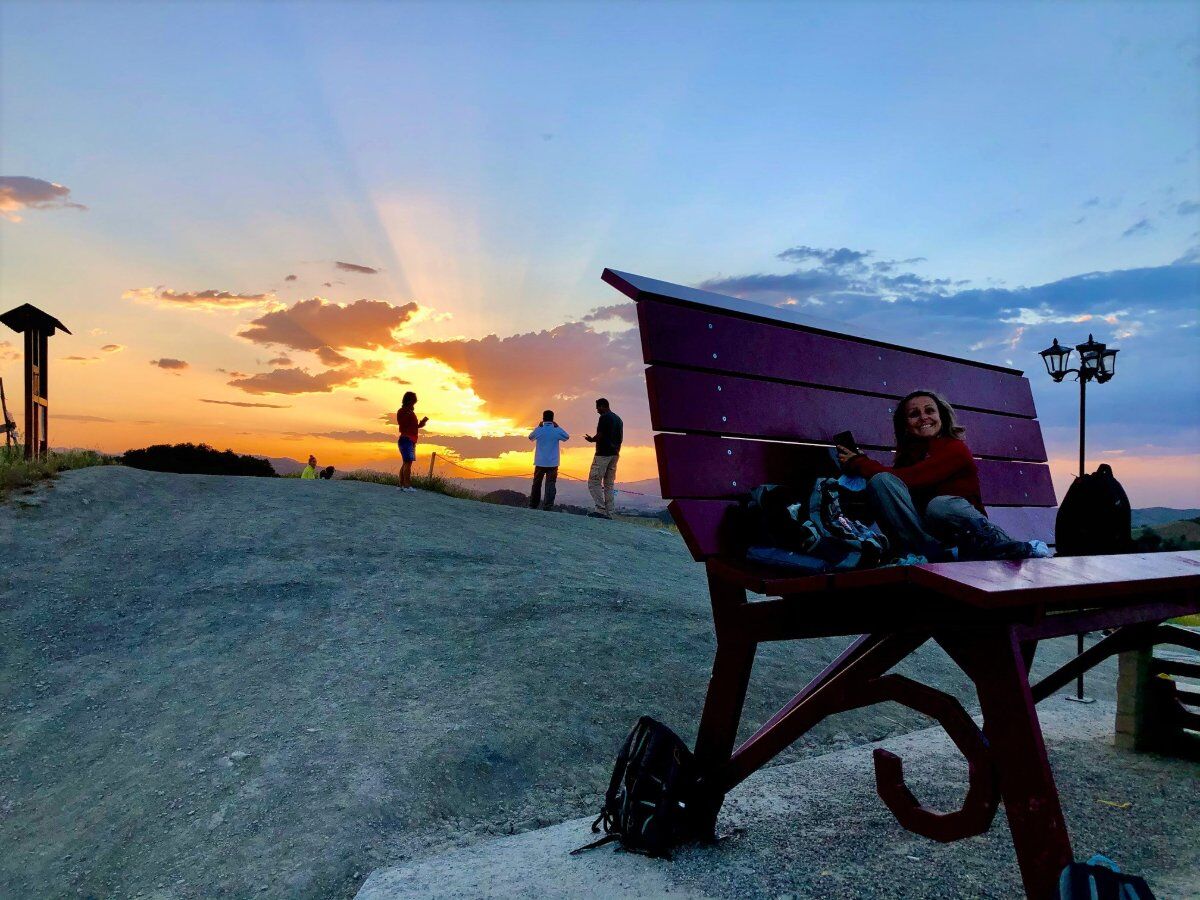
x=406, y=420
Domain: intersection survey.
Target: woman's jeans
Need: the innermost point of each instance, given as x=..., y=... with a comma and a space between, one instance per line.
x=947, y=522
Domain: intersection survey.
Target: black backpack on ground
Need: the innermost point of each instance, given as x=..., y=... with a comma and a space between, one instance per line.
x=1095, y=517
x=647, y=806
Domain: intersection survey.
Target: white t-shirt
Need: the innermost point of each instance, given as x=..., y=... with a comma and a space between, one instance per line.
x=548, y=436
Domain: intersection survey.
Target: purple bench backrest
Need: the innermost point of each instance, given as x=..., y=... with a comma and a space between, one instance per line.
x=746, y=394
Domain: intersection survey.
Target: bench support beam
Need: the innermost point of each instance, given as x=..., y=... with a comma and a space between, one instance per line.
x=994, y=661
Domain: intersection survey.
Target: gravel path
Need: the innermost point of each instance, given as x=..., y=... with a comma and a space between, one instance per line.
x=256, y=687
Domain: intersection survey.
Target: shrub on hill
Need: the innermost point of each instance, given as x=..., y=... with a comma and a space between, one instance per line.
x=504, y=497
x=196, y=459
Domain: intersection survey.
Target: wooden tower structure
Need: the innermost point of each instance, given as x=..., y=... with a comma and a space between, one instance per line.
x=37, y=326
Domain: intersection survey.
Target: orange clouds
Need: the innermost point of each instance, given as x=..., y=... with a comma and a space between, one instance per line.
x=166, y=362
x=315, y=324
x=520, y=375
x=299, y=381
x=209, y=299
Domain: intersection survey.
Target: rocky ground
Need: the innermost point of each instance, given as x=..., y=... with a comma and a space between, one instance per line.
x=216, y=686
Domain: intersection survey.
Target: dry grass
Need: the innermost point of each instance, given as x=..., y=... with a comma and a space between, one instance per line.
x=436, y=483
x=16, y=472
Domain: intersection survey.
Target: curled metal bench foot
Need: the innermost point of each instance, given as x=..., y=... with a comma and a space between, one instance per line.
x=983, y=795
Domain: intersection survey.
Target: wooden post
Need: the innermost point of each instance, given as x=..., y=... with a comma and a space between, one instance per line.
x=432, y=461
x=7, y=425
x=37, y=326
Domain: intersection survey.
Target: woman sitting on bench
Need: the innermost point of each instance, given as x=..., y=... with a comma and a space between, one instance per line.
x=929, y=501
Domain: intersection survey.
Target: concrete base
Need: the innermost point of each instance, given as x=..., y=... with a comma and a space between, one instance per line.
x=816, y=829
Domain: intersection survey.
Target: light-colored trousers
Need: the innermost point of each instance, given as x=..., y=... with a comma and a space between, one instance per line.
x=601, y=481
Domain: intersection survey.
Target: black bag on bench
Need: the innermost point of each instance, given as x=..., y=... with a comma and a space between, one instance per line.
x=647, y=805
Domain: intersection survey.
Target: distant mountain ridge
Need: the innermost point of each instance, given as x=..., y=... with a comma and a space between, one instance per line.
x=283, y=465
x=643, y=496
x=1161, y=515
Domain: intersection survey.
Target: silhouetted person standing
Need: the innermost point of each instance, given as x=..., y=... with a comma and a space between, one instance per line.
x=406, y=419
x=547, y=436
x=603, y=478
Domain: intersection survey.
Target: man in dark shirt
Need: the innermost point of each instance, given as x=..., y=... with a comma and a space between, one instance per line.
x=603, y=477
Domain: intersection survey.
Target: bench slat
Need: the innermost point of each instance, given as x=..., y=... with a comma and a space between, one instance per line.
x=686, y=400
x=700, y=466
x=696, y=338
x=708, y=529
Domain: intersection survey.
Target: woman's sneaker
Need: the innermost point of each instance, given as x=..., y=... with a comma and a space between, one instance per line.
x=1039, y=550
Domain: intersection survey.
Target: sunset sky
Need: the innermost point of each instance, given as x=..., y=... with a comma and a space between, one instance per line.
x=263, y=222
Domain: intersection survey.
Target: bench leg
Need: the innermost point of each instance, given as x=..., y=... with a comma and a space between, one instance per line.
x=726, y=695
x=996, y=664
x=719, y=721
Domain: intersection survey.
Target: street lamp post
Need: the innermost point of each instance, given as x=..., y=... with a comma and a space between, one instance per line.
x=1095, y=361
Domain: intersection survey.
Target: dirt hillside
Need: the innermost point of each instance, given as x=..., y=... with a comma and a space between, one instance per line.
x=217, y=686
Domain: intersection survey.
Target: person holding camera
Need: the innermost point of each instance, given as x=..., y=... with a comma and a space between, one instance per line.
x=406, y=419
x=547, y=436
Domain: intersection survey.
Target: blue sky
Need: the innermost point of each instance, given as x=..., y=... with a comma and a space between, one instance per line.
x=490, y=159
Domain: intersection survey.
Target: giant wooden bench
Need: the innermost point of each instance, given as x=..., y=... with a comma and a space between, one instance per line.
x=745, y=394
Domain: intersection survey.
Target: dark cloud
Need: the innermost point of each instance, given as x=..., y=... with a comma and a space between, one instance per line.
x=279, y=361
x=82, y=359
x=361, y=399
x=354, y=267
x=300, y=381
x=839, y=258
x=317, y=323
x=1188, y=208
x=245, y=404
x=167, y=363
x=113, y=348
x=8, y=352
x=331, y=357
x=207, y=299
x=1141, y=226
x=626, y=312
x=802, y=285
x=72, y=417
x=467, y=447
x=290, y=278
x=1150, y=313
x=19, y=192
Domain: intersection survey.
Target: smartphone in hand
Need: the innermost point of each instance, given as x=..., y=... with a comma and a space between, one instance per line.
x=846, y=439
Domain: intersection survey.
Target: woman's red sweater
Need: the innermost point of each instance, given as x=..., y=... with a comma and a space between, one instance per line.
x=945, y=469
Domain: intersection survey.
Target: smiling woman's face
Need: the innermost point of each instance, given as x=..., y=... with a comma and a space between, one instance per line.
x=921, y=415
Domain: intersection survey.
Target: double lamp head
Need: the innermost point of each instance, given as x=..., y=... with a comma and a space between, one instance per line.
x=1095, y=361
